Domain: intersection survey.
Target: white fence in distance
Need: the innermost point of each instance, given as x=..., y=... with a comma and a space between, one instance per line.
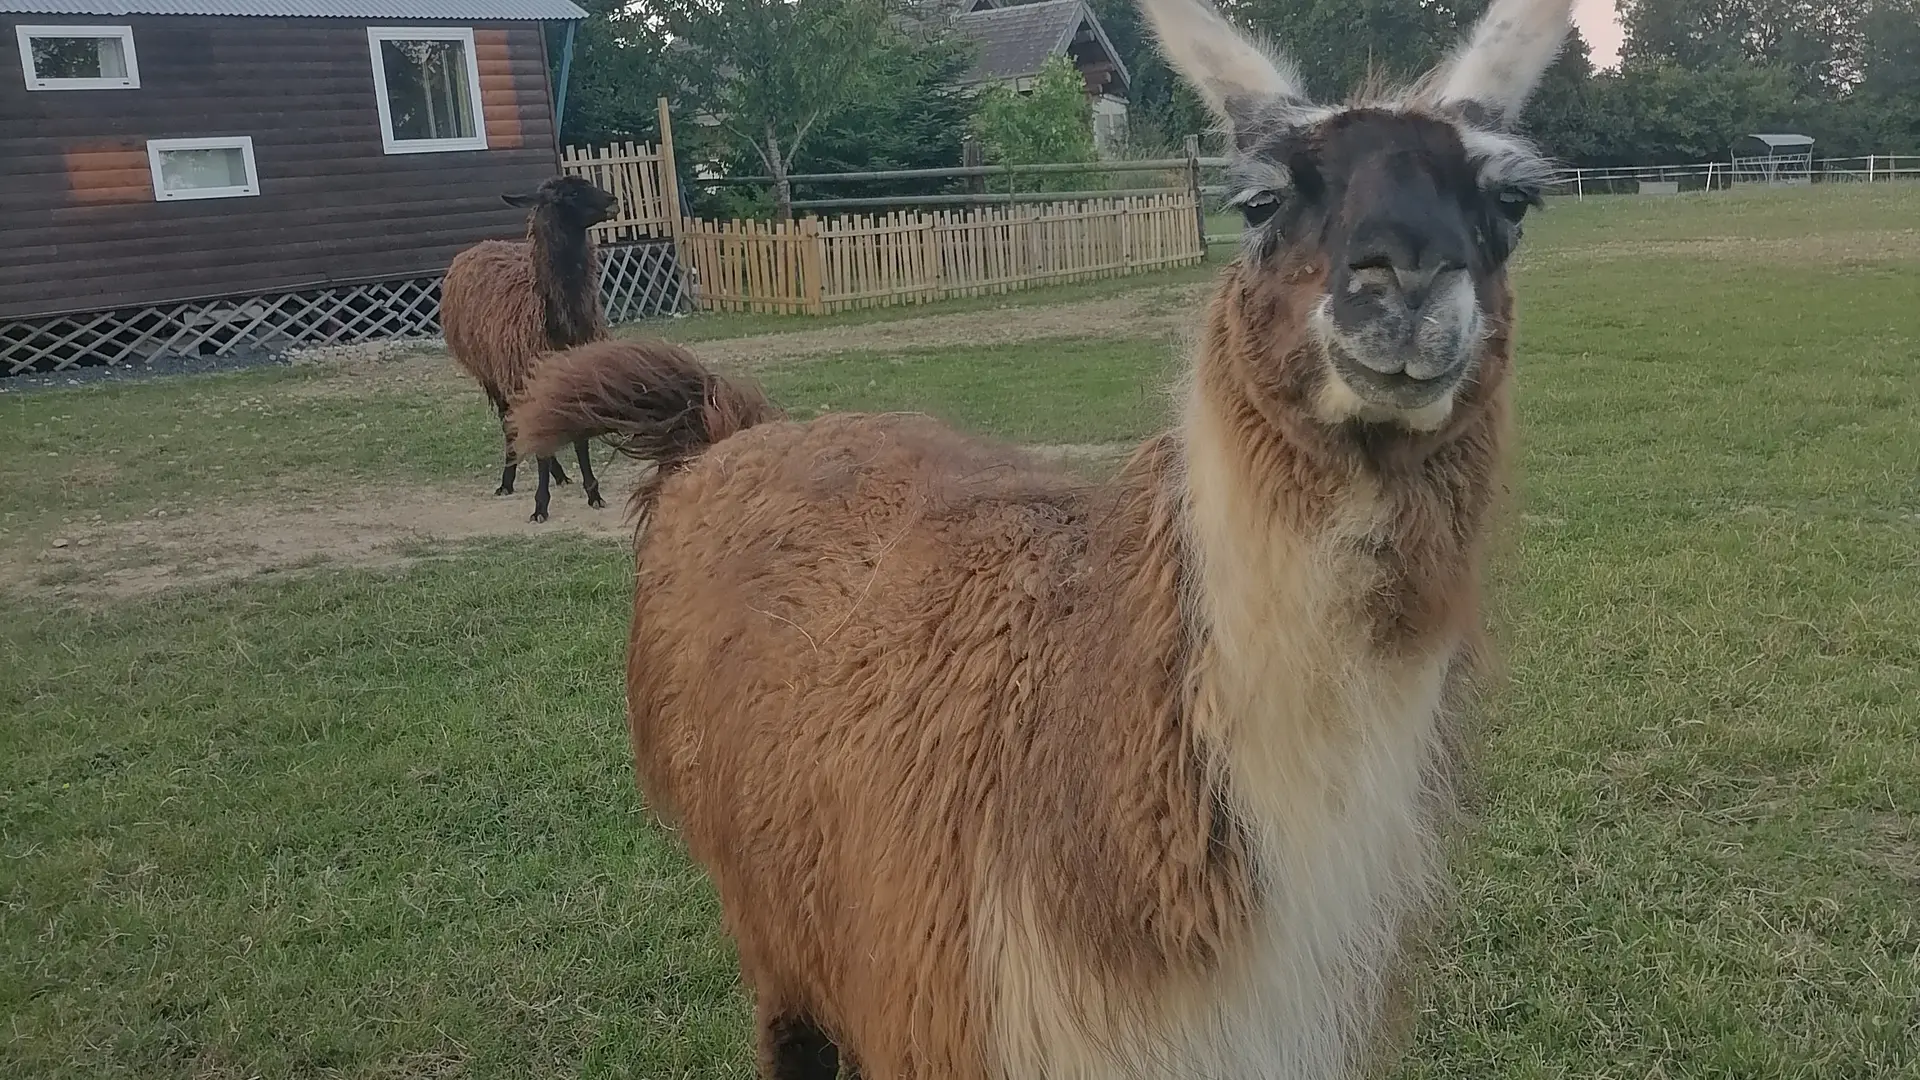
x=1720, y=175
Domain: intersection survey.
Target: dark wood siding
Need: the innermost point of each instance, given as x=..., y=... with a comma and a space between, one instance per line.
x=79, y=226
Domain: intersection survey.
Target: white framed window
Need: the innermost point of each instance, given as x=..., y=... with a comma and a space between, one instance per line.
x=78, y=57
x=219, y=168
x=427, y=83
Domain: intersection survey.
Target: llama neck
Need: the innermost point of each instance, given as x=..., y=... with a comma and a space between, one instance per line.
x=1358, y=536
x=565, y=275
x=1333, y=599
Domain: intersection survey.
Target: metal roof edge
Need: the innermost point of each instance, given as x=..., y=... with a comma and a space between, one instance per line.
x=473, y=10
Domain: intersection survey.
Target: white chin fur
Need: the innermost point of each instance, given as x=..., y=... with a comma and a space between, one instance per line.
x=1337, y=403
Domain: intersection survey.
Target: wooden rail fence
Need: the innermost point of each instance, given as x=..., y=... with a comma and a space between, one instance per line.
x=815, y=266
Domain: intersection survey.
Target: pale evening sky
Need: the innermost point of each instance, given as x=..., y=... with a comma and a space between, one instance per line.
x=1600, y=25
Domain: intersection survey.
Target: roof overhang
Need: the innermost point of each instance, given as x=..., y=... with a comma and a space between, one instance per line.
x=1083, y=15
x=1782, y=140
x=470, y=10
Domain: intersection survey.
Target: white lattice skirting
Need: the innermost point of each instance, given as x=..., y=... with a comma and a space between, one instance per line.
x=637, y=281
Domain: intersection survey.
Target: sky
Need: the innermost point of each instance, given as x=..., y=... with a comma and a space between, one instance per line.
x=1600, y=25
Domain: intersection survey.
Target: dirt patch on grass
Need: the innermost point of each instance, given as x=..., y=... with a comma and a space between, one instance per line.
x=168, y=548
x=424, y=369
x=1146, y=313
x=102, y=561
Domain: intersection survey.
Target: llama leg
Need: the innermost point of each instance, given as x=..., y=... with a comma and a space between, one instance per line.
x=583, y=453
x=792, y=1048
x=512, y=460
x=540, y=494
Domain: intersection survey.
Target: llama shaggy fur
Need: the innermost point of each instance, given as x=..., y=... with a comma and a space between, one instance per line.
x=1004, y=774
x=506, y=305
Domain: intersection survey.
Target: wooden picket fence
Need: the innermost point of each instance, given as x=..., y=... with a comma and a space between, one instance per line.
x=815, y=266
x=640, y=175
x=637, y=175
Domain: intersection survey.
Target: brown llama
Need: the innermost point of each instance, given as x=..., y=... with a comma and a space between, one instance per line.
x=506, y=304
x=1003, y=774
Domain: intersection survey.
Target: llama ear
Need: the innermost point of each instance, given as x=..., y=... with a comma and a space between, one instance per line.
x=521, y=201
x=1233, y=75
x=1489, y=77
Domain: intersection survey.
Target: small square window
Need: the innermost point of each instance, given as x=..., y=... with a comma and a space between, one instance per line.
x=428, y=88
x=78, y=57
x=202, y=168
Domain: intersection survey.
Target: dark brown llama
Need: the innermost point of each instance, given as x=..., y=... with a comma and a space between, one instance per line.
x=506, y=305
x=1000, y=774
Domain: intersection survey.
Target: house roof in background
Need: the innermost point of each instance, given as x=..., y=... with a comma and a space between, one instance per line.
x=475, y=10
x=1015, y=41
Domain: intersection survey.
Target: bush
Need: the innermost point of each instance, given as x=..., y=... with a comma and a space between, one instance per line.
x=1051, y=124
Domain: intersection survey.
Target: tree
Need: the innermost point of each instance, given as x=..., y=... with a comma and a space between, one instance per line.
x=1816, y=41
x=618, y=75
x=913, y=116
x=1337, y=44
x=1341, y=44
x=1890, y=53
x=1889, y=88
x=1051, y=124
x=1563, y=114
x=771, y=71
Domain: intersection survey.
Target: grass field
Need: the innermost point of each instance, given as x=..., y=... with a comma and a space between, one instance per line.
x=365, y=810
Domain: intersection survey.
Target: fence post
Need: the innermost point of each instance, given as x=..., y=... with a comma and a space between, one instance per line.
x=669, y=172
x=973, y=155
x=1871, y=161
x=1192, y=148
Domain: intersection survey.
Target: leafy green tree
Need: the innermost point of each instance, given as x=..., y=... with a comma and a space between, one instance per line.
x=618, y=75
x=1052, y=123
x=1890, y=52
x=1341, y=44
x=1889, y=90
x=915, y=118
x=911, y=113
x=1563, y=116
x=1816, y=41
x=771, y=72
x=1670, y=114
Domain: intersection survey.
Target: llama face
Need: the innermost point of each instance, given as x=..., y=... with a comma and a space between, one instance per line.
x=1409, y=231
x=1398, y=212
x=573, y=200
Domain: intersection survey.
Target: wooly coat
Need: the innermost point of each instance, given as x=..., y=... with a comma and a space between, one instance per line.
x=505, y=305
x=1004, y=774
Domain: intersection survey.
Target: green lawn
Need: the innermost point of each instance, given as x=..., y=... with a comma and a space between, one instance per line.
x=380, y=823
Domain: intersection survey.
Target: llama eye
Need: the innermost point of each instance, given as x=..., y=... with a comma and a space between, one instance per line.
x=1514, y=201
x=1259, y=207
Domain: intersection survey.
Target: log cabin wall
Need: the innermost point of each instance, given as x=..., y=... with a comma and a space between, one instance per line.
x=81, y=229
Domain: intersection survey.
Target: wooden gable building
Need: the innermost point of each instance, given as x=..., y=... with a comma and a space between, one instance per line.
x=1014, y=38
x=209, y=175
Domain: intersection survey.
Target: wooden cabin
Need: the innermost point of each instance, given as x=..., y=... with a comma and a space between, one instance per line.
x=204, y=176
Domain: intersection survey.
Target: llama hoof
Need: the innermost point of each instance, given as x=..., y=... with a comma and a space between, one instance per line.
x=537, y=516
x=503, y=490
x=594, y=500
x=560, y=479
